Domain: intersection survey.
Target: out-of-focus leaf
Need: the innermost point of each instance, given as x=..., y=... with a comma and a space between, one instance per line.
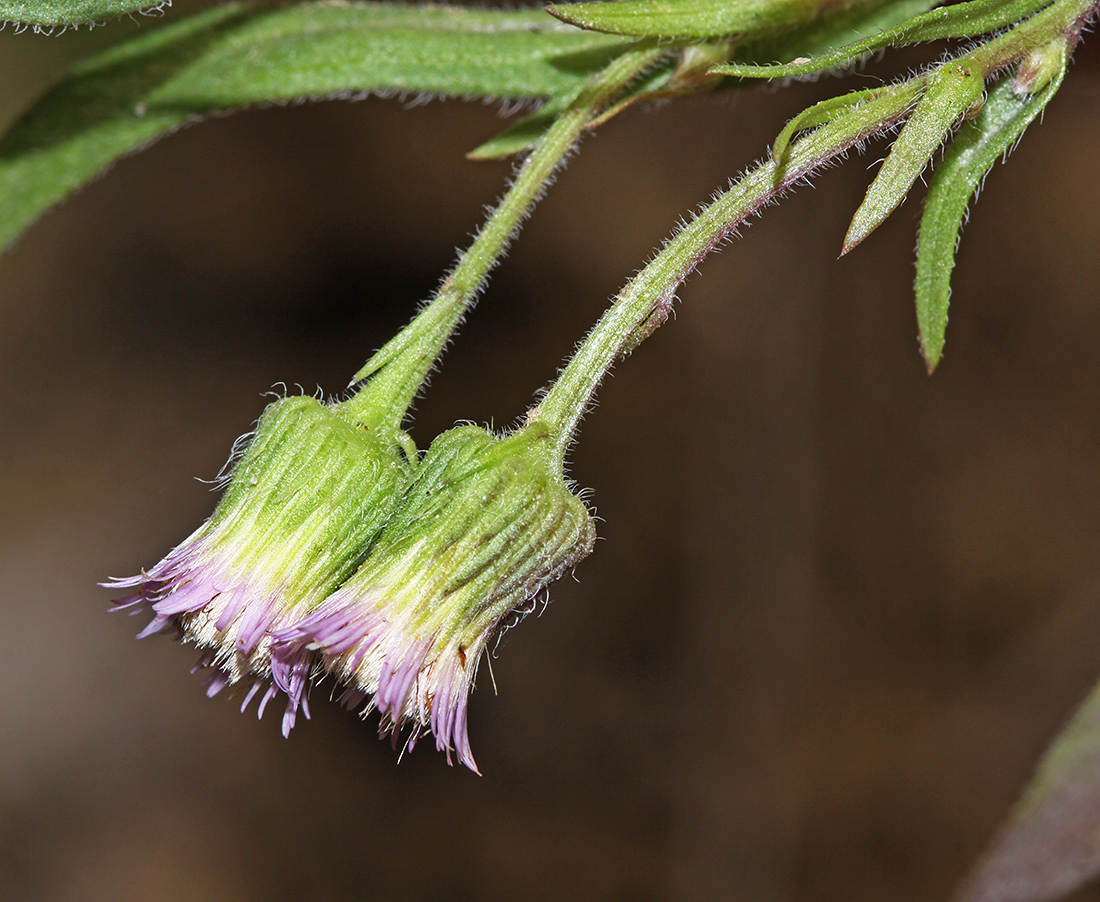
x=687, y=18
x=1051, y=843
x=50, y=13
x=232, y=56
x=950, y=93
x=962, y=20
x=993, y=133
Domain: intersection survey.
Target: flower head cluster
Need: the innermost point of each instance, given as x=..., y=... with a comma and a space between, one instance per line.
x=485, y=525
x=332, y=552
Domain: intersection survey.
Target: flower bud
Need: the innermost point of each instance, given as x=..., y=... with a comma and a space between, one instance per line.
x=484, y=526
x=302, y=507
x=1040, y=65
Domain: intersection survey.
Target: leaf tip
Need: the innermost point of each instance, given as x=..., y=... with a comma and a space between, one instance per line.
x=931, y=357
x=561, y=11
x=482, y=153
x=932, y=335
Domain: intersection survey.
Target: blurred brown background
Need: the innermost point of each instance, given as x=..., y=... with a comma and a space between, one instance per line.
x=838, y=608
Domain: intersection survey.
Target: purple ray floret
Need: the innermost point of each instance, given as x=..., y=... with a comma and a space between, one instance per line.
x=415, y=683
x=223, y=614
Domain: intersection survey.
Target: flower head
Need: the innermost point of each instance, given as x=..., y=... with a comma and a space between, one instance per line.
x=302, y=507
x=483, y=527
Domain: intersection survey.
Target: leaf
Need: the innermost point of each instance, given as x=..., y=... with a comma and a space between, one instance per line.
x=1051, y=843
x=523, y=135
x=828, y=31
x=821, y=113
x=962, y=20
x=71, y=12
x=687, y=18
x=231, y=56
x=953, y=89
x=1006, y=114
x=519, y=136
x=832, y=29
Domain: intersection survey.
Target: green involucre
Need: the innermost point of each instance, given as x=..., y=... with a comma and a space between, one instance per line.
x=307, y=499
x=486, y=524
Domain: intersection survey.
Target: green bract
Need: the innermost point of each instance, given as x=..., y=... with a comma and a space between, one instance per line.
x=954, y=90
x=486, y=524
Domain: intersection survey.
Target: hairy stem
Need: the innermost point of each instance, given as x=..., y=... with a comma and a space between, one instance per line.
x=400, y=368
x=644, y=303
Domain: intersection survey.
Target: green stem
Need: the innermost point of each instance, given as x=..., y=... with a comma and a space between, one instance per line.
x=646, y=300
x=399, y=369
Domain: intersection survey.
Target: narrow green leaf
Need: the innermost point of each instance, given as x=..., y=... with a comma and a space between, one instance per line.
x=1050, y=845
x=232, y=56
x=819, y=114
x=962, y=20
x=833, y=28
x=49, y=13
x=1006, y=114
x=687, y=18
x=520, y=136
x=954, y=88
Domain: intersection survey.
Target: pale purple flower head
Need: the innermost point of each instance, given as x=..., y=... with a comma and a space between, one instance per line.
x=302, y=506
x=484, y=526
x=330, y=554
